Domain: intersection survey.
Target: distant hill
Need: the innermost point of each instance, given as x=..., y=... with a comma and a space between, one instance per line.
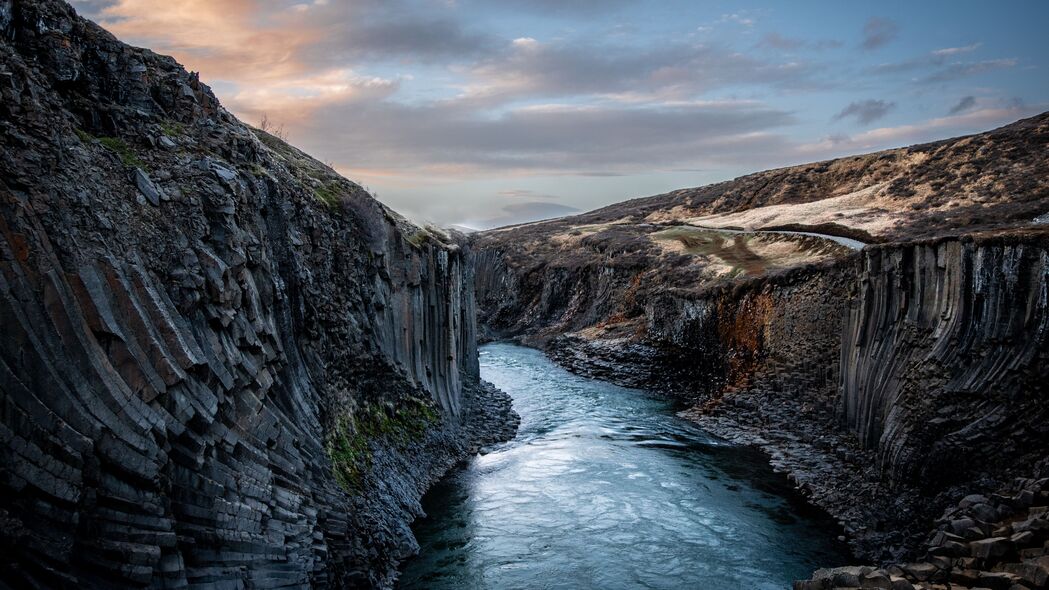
x=753, y=225
x=983, y=181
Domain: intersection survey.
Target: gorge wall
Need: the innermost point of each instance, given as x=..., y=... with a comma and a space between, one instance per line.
x=886, y=383
x=223, y=365
x=944, y=355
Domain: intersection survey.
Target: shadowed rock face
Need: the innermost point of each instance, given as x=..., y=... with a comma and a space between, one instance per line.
x=221, y=362
x=945, y=356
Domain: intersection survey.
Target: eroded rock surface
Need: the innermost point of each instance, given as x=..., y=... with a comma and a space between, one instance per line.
x=222, y=364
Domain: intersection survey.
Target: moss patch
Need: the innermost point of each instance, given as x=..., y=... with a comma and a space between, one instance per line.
x=427, y=234
x=173, y=128
x=419, y=238
x=121, y=149
x=349, y=442
x=329, y=193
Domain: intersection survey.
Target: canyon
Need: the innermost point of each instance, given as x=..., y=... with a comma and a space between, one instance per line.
x=225, y=365
x=887, y=383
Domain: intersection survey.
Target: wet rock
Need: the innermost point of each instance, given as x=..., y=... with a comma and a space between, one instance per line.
x=998, y=580
x=1034, y=572
x=876, y=580
x=899, y=583
x=921, y=571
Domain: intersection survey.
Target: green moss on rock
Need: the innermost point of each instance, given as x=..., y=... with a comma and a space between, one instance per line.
x=173, y=128
x=121, y=149
x=329, y=194
x=349, y=443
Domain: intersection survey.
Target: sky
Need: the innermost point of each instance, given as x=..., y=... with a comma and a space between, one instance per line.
x=488, y=112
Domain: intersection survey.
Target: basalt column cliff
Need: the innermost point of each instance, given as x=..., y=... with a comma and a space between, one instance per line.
x=221, y=364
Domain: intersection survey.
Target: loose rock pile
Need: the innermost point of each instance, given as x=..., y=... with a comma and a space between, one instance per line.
x=998, y=541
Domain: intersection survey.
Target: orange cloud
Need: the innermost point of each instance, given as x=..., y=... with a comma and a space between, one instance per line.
x=292, y=101
x=254, y=50
x=233, y=40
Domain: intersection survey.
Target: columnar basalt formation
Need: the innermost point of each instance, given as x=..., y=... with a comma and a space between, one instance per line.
x=945, y=351
x=222, y=364
x=887, y=383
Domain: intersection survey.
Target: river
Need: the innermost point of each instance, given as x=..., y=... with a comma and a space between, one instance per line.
x=604, y=487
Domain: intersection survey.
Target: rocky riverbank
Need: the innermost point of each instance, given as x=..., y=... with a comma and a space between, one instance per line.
x=998, y=541
x=387, y=496
x=223, y=364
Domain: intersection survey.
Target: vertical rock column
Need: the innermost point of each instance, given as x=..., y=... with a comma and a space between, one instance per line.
x=944, y=359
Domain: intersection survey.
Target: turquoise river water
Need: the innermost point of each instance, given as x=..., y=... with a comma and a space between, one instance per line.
x=604, y=487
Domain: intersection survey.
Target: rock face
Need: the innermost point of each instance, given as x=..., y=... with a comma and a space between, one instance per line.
x=222, y=363
x=945, y=355
x=996, y=541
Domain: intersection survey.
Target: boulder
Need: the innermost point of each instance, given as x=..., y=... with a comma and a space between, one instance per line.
x=921, y=571
x=1033, y=571
x=146, y=187
x=988, y=548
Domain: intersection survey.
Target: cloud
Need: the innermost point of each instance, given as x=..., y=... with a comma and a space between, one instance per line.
x=965, y=104
x=524, y=193
x=929, y=130
x=951, y=51
x=739, y=18
x=672, y=70
x=866, y=111
x=351, y=36
x=776, y=41
x=557, y=7
x=253, y=40
x=522, y=213
x=939, y=65
x=224, y=39
x=291, y=102
x=91, y=8
x=451, y=137
x=958, y=70
x=878, y=32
